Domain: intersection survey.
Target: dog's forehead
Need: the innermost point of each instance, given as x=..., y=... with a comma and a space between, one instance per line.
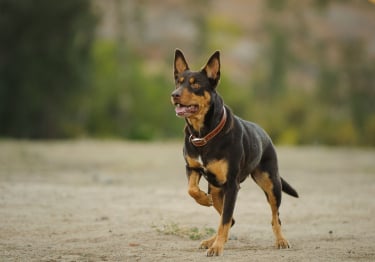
x=192, y=77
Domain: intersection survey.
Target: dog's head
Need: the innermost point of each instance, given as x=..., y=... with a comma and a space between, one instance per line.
x=193, y=89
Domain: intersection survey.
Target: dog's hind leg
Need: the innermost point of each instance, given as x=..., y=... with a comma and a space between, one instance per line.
x=271, y=184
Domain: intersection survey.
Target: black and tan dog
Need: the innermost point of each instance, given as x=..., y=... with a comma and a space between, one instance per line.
x=224, y=149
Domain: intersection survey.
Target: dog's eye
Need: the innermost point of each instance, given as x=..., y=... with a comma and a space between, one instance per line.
x=194, y=84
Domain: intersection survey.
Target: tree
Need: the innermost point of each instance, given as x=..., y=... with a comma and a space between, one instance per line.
x=45, y=61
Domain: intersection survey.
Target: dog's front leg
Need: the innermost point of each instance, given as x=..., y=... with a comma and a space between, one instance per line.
x=194, y=191
x=230, y=196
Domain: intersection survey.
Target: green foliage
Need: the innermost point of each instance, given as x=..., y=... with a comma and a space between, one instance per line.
x=44, y=50
x=338, y=111
x=276, y=5
x=125, y=101
x=58, y=80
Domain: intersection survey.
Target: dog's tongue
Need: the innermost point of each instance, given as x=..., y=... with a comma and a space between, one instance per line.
x=181, y=110
x=185, y=111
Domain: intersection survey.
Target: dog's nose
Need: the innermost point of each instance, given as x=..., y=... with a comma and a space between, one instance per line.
x=176, y=94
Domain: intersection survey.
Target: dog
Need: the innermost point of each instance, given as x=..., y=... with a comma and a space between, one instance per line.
x=224, y=149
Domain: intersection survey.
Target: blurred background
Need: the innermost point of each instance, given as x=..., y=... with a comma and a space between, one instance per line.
x=304, y=70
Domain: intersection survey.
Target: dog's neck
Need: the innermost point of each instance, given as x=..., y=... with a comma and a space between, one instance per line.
x=202, y=126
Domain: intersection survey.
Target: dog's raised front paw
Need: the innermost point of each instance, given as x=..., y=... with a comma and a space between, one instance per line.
x=205, y=200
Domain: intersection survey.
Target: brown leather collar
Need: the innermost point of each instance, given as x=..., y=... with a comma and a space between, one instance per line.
x=201, y=141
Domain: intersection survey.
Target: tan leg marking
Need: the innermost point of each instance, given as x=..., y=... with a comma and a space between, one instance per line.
x=217, y=247
x=217, y=201
x=216, y=243
x=193, y=187
x=206, y=244
x=264, y=181
x=194, y=191
x=219, y=168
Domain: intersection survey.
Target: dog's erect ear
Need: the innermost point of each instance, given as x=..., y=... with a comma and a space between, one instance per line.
x=212, y=68
x=180, y=64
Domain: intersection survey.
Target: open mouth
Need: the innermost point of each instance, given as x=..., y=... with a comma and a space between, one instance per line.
x=185, y=110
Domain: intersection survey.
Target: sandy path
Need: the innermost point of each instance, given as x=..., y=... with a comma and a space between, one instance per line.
x=120, y=201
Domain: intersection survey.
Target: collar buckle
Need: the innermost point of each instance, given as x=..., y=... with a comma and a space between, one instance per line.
x=197, y=141
x=201, y=141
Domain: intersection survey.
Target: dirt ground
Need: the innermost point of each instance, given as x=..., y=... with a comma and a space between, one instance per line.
x=122, y=201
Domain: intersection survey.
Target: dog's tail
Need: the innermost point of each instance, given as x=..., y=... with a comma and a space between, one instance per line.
x=288, y=188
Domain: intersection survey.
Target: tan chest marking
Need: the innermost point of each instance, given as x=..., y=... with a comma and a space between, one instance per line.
x=220, y=169
x=194, y=162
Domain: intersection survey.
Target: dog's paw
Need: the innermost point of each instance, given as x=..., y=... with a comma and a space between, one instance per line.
x=215, y=250
x=204, y=199
x=206, y=244
x=282, y=243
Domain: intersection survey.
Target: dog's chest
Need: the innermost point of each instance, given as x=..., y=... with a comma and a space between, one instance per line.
x=200, y=161
x=197, y=162
x=215, y=171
